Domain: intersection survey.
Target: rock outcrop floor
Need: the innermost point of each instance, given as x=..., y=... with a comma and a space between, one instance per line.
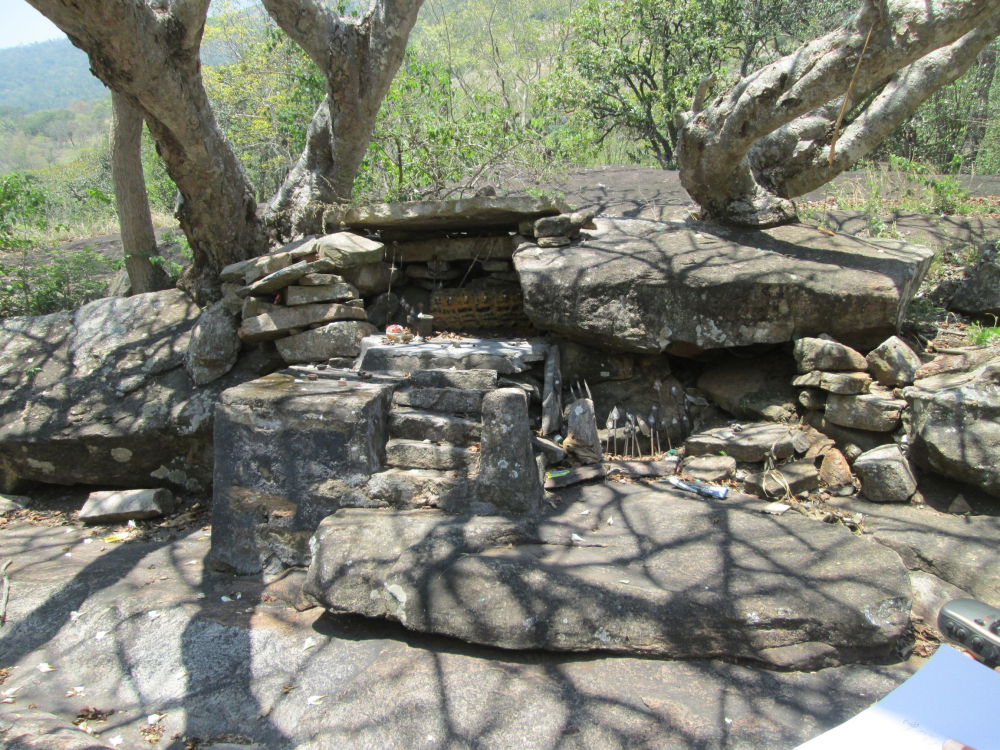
x=146, y=628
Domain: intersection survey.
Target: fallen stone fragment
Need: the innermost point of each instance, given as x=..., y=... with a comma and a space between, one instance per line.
x=960, y=506
x=807, y=593
x=791, y=478
x=341, y=339
x=844, y=383
x=708, y=468
x=553, y=452
x=893, y=363
x=12, y=503
x=813, y=399
x=280, y=322
x=886, y=476
x=822, y=354
x=215, y=342
x=126, y=505
x=508, y=475
x=569, y=477
x=878, y=411
x=346, y=250
x=308, y=295
x=751, y=443
x=835, y=471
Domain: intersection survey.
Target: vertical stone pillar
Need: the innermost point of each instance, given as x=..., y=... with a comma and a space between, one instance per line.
x=508, y=474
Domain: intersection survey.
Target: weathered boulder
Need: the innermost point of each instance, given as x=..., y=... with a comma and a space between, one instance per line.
x=954, y=428
x=878, y=411
x=371, y=278
x=508, y=476
x=651, y=287
x=100, y=396
x=979, y=294
x=126, y=505
x=893, y=363
x=751, y=443
x=341, y=339
x=290, y=451
x=673, y=576
x=346, y=250
x=215, y=342
x=435, y=216
x=822, y=354
x=885, y=474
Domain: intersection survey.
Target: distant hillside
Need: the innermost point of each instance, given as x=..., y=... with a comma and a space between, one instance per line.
x=46, y=75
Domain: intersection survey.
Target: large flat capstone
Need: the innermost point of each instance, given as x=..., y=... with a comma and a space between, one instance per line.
x=461, y=214
x=673, y=576
x=651, y=287
x=289, y=451
x=99, y=395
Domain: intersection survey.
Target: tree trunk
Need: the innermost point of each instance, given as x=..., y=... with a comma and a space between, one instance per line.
x=131, y=200
x=359, y=60
x=149, y=51
x=983, y=86
x=717, y=168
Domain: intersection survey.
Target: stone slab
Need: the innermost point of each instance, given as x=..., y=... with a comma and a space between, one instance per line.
x=844, y=436
x=275, y=282
x=751, y=443
x=126, y=505
x=672, y=576
x=508, y=473
x=420, y=488
x=499, y=248
x=469, y=380
x=308, y=295
x=340, y=339
x=652, y=287
x=283, y=320
x=415, y=424
x=449, y=400
x=463, y=214
x=265, y=505
x=417, y=454
x=503, y=356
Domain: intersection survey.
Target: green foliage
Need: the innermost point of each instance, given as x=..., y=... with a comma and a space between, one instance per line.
x=56, y=281
x=46, y=75
x=22, y=211
x=984, y=336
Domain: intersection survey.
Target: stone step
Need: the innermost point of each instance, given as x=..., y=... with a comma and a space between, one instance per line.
x=451, y=400
x=414, y=454
x=415, y=424
x=470, y=380
x=506, y=357
x=419, y=488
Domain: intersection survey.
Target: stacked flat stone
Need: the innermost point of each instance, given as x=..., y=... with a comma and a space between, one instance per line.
x=557, y=231
x=856, y=399
x=302, y=297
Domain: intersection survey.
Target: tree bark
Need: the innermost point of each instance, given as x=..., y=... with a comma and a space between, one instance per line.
x=149, y=52
x=131, y=200
x=716, y=168
x=359, y=60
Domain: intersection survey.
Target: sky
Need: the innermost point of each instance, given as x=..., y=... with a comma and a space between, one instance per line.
x=22, y=24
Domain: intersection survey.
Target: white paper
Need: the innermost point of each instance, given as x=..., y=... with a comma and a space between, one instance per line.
x=952, y=697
